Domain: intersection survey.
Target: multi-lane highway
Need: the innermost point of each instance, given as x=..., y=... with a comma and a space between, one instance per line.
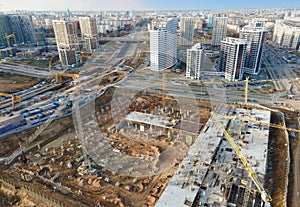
x=24, y=70
x=30, y=94
x=141, y=80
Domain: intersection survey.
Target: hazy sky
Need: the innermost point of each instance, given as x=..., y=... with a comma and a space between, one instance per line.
x=8, y=5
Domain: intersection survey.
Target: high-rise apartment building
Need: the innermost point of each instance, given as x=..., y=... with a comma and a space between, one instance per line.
x=67, y=42
x=210, y=21
x=4, y=29
x=89, y=34
x=194, y=61
x=19, y=25
x=219, y=30
x=27, y=28
x=232, y=58
x=186, y=27
x=256, y=36
x=163, y=45
x=287, y=34
x=198, y=24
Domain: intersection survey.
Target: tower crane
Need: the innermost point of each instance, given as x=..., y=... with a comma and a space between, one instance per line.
x=7, y=37
x=278, y=126
x=253, y=175
x=28, y=143
x=50, y=64
x=59, y=76
x=246, y=90
x=13, y=98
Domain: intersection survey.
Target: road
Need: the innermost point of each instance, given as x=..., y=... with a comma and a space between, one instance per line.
x=25, y=70
x=281, y=71
x=141, y=81
x=29, y=95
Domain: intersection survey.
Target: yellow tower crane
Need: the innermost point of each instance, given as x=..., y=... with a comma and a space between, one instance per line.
x=278, y=126
x=253, y=175
x=246, y=90
x=7, y=37
x=13, y=98
x=50, y=67
x=50, y=64
x=59, y=76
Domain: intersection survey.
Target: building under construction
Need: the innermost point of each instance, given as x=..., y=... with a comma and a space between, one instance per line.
x=212, y=173
x=67, y=42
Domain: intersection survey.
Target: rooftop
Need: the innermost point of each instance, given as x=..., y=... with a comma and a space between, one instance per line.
x=211, y=173
x=159, y=121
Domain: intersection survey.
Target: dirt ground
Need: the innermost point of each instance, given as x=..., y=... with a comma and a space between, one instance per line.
x=277, y=164
x=119, y=191
x=19, y=198
x=11, y=143
x=11, y=83
x=291, y=120
x=278, y=161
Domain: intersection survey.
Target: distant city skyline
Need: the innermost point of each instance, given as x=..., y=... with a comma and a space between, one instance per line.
x=89, y=5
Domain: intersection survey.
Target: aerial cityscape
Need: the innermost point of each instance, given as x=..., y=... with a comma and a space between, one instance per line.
x=139, y=103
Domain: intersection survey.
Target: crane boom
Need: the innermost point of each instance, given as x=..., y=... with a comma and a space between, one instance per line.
x=58, y=76
x=38, y=131
x=264, y=195
x=278, y=126
x=13, y=98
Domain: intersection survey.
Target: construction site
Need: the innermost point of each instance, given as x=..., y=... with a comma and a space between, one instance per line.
x=146, y=149
x=125, y=136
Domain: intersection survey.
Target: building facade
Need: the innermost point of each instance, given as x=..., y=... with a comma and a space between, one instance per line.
x=163, y=45
x=287, y=34
x=67, y=42
x=198, y=24
x=210, y=21
x=194, y=61
x=89, y=33
x=4, y=29
x=19, y=25
x=232, y=58
x=256, y=36
x=186, y=27
x=219, y=30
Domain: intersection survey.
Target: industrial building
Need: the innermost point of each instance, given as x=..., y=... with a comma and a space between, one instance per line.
x=219, y=30
x=212, y=174
x=232, y=58
x=67, y=42
x=256, y=36
x=89, y=33
x=163, y=45
x=194, y=61
x=287, y=34
x=186, y=27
